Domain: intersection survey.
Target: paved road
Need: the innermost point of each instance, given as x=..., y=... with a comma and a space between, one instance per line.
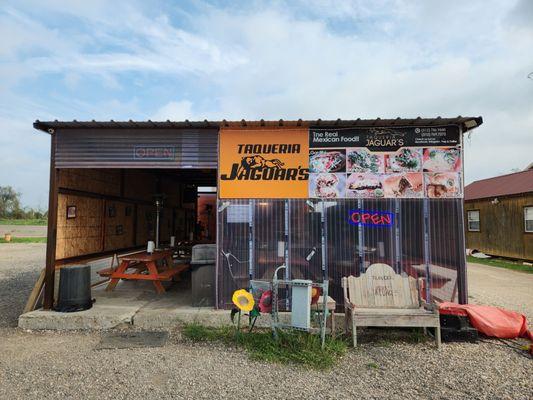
x=23, y=230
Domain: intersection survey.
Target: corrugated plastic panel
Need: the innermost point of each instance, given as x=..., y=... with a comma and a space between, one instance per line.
x=425, y=240
x=136, y=148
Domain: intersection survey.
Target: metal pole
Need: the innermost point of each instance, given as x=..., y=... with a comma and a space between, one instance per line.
x=325, y=290
x=361, y=240
x=286, y=253
x=323, y=238
x=251, y=208
x=157, y=211
x=462, y=276
x=397, y=235
x=427, y=256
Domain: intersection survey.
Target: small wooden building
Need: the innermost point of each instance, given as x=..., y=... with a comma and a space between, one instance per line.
x=499, y=215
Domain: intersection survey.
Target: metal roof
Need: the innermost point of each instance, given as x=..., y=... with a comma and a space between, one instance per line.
x=504, y=185
x=466, y=123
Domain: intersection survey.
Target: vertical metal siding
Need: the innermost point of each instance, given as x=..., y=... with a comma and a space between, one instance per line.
x=115, y=148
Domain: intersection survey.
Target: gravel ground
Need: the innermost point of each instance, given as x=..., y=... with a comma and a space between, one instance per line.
x=20, y=265
x=49, y=365
x=502, y=288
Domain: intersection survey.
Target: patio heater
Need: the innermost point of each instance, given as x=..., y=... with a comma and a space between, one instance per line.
x=158, y=198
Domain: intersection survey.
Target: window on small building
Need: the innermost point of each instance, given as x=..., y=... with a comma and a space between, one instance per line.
x=473, y=220
x=528, y=219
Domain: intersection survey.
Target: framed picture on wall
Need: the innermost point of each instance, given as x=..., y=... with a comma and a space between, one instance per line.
x=71, y=212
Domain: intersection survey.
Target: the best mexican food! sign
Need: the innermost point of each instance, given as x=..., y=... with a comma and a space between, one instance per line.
x=263, y=163
x=403, y=162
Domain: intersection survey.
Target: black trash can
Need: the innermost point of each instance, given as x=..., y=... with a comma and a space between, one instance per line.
x=203, y=262
x=74, y=288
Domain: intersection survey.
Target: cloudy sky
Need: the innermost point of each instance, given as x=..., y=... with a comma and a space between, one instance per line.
x=250, y=59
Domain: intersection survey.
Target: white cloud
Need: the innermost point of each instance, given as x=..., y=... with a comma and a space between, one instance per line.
x=25, y=160
x=303, y=59
x=175, y=111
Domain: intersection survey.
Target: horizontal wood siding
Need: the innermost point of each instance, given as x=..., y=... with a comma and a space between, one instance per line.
x=501, y=227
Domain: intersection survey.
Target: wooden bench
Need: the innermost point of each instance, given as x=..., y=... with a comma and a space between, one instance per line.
x=380, y=297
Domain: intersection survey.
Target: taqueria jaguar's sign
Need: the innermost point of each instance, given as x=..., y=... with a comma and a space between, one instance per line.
x=263, y=163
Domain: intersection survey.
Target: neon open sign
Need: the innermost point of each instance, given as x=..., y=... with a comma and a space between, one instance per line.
x=154, y=153
x=371, y=218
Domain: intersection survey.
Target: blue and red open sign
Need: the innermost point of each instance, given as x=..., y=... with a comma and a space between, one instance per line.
x=371, y=218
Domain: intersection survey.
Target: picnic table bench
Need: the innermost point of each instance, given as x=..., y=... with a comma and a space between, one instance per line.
x=145, y=267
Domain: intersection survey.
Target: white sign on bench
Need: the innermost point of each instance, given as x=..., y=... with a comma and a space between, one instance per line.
x=381, y=297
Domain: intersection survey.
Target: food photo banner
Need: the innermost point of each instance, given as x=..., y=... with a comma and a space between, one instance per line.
x=413, y=162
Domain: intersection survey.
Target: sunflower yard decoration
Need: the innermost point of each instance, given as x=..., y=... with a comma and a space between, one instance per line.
x=243, y=300
x=244, y=303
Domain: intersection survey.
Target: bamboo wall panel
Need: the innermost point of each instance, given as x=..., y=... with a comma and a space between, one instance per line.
x=119, y=222
x=99, y=181
x=83, y=234
x=501, y=227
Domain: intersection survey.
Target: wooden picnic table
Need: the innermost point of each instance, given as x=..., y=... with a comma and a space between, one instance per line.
x=145, y=266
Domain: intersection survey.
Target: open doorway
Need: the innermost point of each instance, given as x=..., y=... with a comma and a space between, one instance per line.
x=106, y=216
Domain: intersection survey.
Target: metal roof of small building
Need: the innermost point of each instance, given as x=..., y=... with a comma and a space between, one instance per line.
x=466, y=123
x=504, y=185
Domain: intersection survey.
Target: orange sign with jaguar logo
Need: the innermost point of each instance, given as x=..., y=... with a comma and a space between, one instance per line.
x=263, y=163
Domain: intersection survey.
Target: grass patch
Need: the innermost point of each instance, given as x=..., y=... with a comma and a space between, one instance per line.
x=39, y=222
x=383, y=343
x=417, y=336
x=500, y=263
x=24, y=240
x=293, y=347
x=372, y=365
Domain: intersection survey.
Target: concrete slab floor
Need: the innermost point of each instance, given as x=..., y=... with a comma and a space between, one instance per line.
x=132, y=302
x=136, y=304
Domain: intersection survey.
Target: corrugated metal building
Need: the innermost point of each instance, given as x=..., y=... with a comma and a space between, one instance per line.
x=325, y=198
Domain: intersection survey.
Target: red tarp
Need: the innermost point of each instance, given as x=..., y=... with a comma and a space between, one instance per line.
x=491, y=321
